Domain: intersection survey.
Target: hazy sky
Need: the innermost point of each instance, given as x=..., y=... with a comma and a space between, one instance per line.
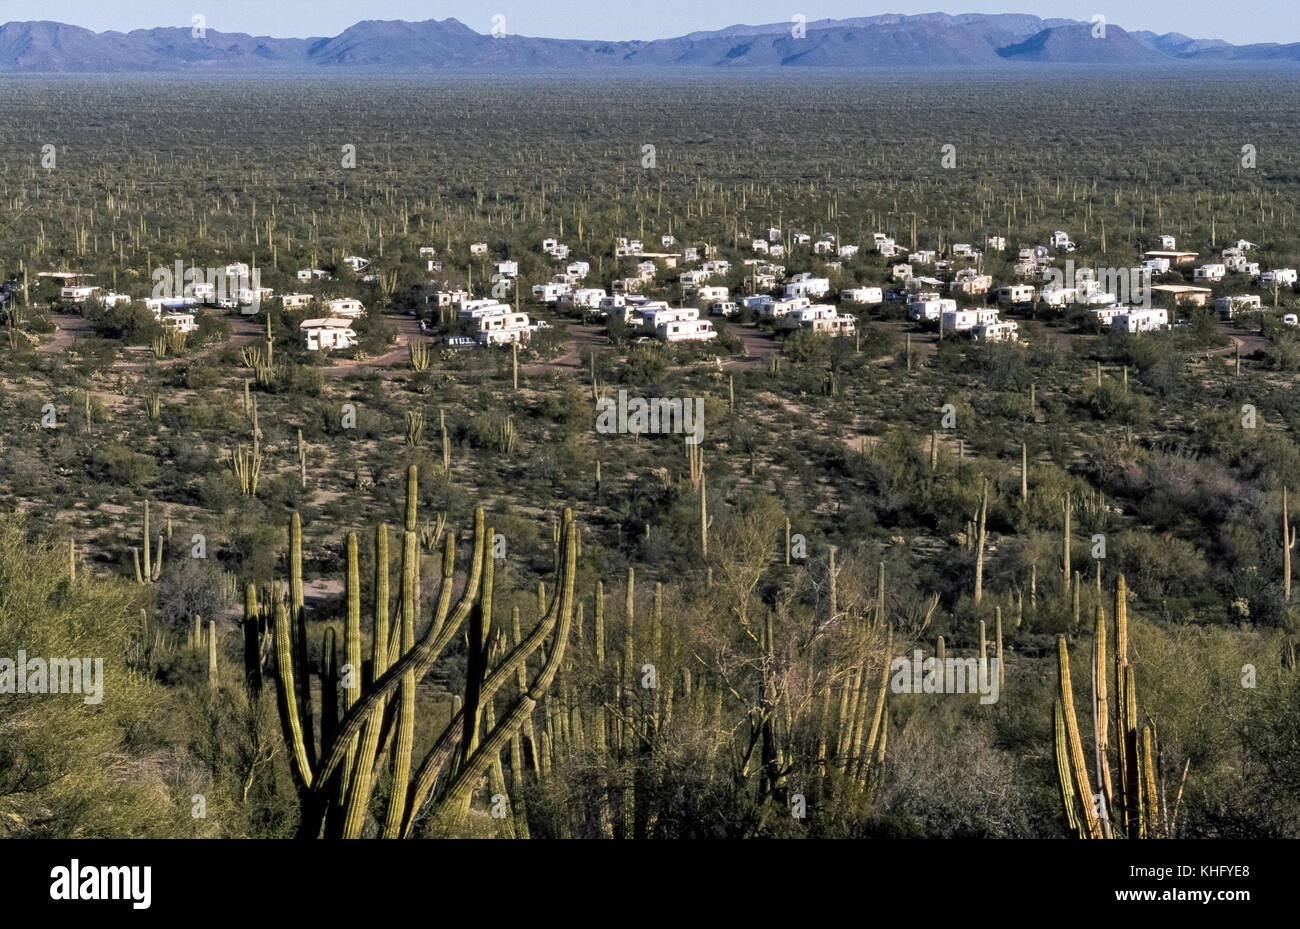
x=1240, y=22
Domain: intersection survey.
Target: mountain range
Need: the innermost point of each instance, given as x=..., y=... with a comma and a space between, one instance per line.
x=932, y=40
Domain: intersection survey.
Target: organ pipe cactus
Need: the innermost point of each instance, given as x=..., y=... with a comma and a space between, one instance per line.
x=419, y=356
x=247, y=465
x=1133, y=794
x=1101, y=709
x=508, y=439
x=871, y=759
x=414, y=427
x=471, y=743
x=1064, y=779
x=356, y=788
x=1081, y=795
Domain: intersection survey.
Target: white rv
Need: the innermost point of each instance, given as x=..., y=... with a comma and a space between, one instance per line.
x=326, y=334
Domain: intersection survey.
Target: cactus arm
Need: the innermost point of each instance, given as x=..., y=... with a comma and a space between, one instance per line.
x=511, y=666
x=212, y=655
x=299, y=633
x=362, y=781
x=287, y=700
x=1078, y=766
x=419, y=659
x=480, y=626
x=406, y=696
x=1101, y=712
x=491, y=747
x=1060, y=743
x=252, y=640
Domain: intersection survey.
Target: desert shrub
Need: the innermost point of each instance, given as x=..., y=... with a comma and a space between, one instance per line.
x=188, y=587
x=119, y=464
x=69, y=768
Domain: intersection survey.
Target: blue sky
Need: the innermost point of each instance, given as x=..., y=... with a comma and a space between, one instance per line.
x=1244, y=21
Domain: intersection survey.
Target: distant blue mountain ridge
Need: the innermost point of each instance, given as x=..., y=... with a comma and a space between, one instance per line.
x=932, y=40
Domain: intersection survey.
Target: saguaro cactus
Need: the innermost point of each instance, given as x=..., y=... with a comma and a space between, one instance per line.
x=704, y=518
x=1024, y=473
x=878, y=614
x=446, y=444
x=212, y=655
x=1065, y=551
x=152, y=568
x=981, y=540
x=1288, y=543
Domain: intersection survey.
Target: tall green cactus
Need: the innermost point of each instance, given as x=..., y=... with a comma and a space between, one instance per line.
x=1132, y=796
x=358, y=786
x=1065, y=550
x=1082, y=794
x=152, y=568
x=252, y=641
x=298, y=615
x=1288, y=543
x=414, y=427
x=479, y=732
x=981, y=540
x=213, y=682
x=405, y=742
